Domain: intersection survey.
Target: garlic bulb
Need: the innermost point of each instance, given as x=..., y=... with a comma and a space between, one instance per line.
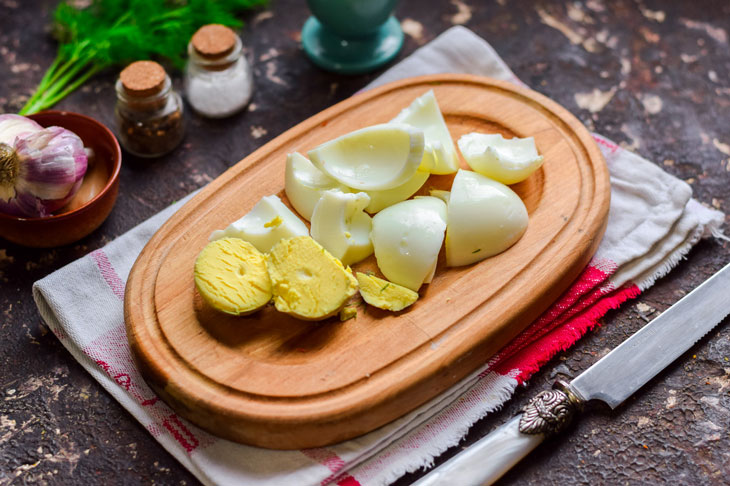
x=14, y=126
x=40, y=172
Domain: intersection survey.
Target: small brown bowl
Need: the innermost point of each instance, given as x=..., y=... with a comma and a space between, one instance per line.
x=92, y=203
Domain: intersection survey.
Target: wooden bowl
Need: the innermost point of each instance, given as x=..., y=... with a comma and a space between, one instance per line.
x=92, y=203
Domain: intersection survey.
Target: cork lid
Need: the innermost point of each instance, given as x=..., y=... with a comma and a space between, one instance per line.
x=213, y=40
x=143, y=78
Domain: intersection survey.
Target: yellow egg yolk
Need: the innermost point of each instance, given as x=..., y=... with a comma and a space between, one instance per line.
x=383, y=294
x=231, y=276
x=308, y=282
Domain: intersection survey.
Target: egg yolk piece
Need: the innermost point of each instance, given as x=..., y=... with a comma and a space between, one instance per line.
x=439, y=154
x=231, y=276
x=307, y=281
x=341, y=227
x=372, y=158
x=508, y=161
x=383, y=294
x=407, y=238
x=304, y=184
x=268, y=222
x=485, y=217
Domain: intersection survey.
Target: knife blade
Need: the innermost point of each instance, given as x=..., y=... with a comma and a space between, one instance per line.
x=612, y=380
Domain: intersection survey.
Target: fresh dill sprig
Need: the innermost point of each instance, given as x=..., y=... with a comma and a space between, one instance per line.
x=115, y=32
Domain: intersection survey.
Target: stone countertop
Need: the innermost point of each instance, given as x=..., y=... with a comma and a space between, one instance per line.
x=653, y=76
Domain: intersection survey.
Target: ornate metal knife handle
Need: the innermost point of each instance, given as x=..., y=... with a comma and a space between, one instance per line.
x=550, y=411
x=489, y=458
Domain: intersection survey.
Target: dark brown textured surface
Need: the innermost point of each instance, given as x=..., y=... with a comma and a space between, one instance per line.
x=662, y=71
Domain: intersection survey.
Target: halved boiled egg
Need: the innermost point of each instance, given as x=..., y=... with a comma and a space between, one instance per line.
x=372, y=158
x=304, y=184
x=407, y=238
x=485, y=218
x=439, y=154
x=268, y=222
x=341, y=227
x=505, y=160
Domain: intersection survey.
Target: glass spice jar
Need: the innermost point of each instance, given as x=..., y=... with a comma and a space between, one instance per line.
x=218, y=80
x=149, y=113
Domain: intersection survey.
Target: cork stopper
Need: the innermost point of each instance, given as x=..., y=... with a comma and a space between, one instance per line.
x=143, y=78
x=213, y=41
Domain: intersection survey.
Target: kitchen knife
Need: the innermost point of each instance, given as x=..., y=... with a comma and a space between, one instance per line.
x=612, y=380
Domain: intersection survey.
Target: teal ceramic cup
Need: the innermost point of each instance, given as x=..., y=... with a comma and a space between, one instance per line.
x=351, y=36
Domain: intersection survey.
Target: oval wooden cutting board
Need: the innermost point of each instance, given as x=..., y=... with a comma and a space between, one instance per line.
x=272, y=381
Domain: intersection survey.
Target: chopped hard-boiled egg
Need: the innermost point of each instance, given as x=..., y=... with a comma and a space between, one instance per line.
x=231, y=276
x=439, y=154
x=380, y=200
x=485, y=218
x=443, y=195
x=407, y=238
x=304, y=184
x=341, y=227
x=383, y=294
x=373, y=158
x=307, y=282
x=505, y=160
x=268, y=222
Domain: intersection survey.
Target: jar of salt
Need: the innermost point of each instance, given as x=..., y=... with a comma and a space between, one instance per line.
x=218, y=80
x=149, y=113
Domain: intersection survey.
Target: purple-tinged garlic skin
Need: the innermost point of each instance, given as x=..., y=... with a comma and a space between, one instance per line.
x=14, y=126
x=51, y=164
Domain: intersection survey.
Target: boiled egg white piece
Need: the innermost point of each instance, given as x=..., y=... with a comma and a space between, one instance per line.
x=443, y=195
x=304, y=184
x=341, y=226
x=485, y=218
x=269, y=221
x=407, y=238
x=380, y=200
x=505, y=160
x=439, y=154
x=372, y=158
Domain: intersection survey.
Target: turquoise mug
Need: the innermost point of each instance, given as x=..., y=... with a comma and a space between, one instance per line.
x=352, y=36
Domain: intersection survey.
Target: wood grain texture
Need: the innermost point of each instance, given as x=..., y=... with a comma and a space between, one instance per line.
x=272, y=381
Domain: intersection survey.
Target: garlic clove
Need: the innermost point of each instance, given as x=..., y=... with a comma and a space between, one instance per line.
x=14, y=126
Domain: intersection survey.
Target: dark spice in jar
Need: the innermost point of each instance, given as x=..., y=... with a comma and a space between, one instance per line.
x=149, y=112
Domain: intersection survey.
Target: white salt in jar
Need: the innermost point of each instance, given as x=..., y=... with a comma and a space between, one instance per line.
x=218, y=79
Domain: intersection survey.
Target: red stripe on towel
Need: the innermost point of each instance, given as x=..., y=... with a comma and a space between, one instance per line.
x=348, y=481
x=560, y=310
x=333, y=462
x=110, y=351
x=108, y=272
x=531, y=358
x=609, y=145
